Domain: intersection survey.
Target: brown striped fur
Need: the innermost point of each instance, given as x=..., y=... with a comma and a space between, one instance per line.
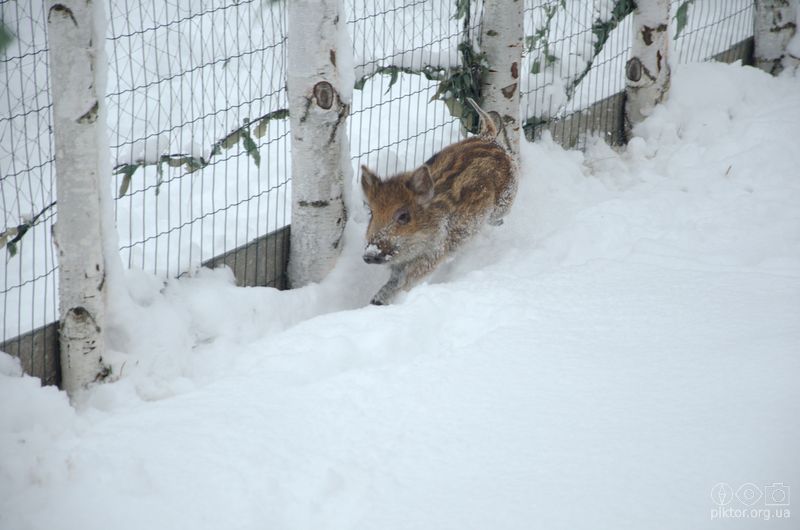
x=419, y=217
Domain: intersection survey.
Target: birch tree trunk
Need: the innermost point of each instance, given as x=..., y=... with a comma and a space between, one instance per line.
x=319, y=102
x=775, y=25
x=76, y=55
x=501, y=41
x=647, y=71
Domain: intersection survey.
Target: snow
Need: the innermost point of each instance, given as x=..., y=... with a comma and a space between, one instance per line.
x=623, y=343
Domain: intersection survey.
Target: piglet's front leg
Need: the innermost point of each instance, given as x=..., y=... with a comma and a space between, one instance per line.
x=391, y=288
x=404, y=277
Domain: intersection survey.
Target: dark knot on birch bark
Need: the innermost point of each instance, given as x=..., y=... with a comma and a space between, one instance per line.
x=324, y=94
x=633, y=70
x=64, y=11
x=647, y=33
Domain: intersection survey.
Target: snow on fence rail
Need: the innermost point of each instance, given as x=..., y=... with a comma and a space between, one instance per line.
x=198, y=108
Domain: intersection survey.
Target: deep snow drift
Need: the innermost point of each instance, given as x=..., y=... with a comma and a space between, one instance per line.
x=624, y=343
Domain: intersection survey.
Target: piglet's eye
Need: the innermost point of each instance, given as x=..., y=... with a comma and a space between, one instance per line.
x=402, y=216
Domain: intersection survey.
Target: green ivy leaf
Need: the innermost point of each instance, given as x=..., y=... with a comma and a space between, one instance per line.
x=261, y=128
x=462, y=8
x=8, y=234
x=5, y=37
x=173, y=161
x=127, y=171
x=230, y=140
x=251, y=147
x=681, y=17
x=394, y=76
x=193, y=163
x=160, y=172
x=455, y=107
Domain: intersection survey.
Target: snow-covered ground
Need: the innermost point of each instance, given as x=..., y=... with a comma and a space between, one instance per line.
x=628, y=340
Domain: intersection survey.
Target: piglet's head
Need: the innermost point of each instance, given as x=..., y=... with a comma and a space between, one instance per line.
x=399, y=219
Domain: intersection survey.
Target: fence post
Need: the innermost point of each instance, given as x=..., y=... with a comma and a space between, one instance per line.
x=319, y=102
x=501, y=41
x=647, y=71
x=76, y=56
x=775, y=24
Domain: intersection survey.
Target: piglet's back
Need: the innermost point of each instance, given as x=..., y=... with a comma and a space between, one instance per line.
x=472, y=178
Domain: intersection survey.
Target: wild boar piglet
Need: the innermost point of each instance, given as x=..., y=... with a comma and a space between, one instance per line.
x=418, y=218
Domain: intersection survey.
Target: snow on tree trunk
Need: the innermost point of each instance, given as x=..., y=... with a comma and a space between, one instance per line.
x=76, y=55
x=647, y=71
x=501, y=41
x=775, y=26
x=320, y=85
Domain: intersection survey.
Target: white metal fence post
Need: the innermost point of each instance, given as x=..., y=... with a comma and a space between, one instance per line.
x=775, y=24
x=76, y=55
x=647, y=71
x=501, y=41
x=319, y=103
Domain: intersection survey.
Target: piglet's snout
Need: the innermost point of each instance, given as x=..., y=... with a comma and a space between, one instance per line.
x=374, y=255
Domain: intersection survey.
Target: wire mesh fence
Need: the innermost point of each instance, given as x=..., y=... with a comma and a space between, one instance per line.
x=397, y=121
x=199, y=141
x=711, y=29
x=27, y=179
x=576, y=55
x=197, y=116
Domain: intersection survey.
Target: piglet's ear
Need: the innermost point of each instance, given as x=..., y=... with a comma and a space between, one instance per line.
x=369, y=181
x=421, y=183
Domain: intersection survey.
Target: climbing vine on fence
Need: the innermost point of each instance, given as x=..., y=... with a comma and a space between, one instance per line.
x=10, y=237
x=540, y=43
x=190, y=163
x=456, y=84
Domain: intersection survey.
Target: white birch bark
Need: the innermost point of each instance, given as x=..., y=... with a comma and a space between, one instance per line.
x=775, y=25
x=792, y=59
x=501, y=41
x=319, y=102
x=647, y=71
x=76, y=54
